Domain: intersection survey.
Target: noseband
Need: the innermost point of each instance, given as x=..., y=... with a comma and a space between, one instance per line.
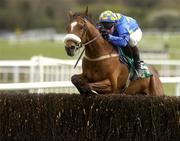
x=80, y=44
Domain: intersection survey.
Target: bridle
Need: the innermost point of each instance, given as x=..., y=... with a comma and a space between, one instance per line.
x=83, y=45
x=80, y=45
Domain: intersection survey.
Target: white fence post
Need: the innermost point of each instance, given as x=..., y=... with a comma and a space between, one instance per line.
x=178, y=89
x=41, y=69
x=16, y=74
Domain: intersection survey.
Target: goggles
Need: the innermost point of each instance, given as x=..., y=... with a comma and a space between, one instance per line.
x=107, y=25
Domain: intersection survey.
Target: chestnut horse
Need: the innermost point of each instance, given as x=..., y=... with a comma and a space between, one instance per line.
x=102, y=71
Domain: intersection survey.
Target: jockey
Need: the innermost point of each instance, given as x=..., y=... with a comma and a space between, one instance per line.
x=122, y=31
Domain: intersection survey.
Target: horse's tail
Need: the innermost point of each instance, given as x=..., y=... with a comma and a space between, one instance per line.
x=155, y=86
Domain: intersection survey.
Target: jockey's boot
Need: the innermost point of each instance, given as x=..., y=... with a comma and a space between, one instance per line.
x=137, y=62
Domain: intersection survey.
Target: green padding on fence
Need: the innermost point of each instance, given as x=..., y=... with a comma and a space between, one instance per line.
x=63, y=117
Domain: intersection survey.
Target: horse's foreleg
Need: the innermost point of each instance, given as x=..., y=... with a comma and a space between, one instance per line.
x=84, y=87
x=81, y=84
x=101, y=87
x=113, y=80
x=105, y=86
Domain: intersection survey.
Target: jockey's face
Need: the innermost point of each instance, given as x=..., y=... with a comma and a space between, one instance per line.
x=111, y=30
x=109, y=26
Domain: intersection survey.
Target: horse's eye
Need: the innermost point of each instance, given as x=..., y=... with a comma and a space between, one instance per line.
x=81, y=27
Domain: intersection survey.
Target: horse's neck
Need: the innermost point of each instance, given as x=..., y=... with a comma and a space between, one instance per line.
x=99, y=47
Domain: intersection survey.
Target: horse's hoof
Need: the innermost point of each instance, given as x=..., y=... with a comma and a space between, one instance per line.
x=94, y=92
x=90, y=93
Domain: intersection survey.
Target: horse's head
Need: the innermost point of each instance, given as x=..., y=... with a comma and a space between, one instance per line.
x=76, y=30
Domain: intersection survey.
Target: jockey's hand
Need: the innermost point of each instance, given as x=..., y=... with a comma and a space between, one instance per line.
x=104, y=33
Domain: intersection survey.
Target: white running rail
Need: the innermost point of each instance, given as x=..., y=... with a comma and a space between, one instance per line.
x=43, y=69
x=68, y=86
x=46, y=73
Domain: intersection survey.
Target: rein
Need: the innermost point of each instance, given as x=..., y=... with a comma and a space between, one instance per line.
x=91, y=40
x=80, y=45
x=83, y=45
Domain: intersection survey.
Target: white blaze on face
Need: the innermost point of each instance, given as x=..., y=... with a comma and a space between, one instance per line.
x=72, y=36
x=73, y=25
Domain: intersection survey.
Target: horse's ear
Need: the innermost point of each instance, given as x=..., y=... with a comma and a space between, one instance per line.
x=71, y=14
x=86, y=11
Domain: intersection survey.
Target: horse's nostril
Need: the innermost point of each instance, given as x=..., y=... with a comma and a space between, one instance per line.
x=70, y=50
x=72, y=47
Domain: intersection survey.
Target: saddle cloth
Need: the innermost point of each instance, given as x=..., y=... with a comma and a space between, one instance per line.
x=130, y=64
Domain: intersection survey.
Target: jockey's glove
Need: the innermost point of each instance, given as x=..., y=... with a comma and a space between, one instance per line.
x=104, y=33
x=105, y=36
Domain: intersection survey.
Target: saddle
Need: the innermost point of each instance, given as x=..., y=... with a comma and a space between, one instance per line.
x=129, y=62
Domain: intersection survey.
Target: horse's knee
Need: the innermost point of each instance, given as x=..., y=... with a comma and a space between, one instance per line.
x=81, y=84
x=75, y=79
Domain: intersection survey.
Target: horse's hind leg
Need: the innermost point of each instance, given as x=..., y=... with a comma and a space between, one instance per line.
x=81, y=84
x=156, y=87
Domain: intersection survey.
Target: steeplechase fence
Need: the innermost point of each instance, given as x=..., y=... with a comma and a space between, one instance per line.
x=63, y=117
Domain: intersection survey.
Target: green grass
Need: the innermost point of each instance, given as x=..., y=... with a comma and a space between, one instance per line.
x=169, y=89
x=158, y=42
x=25, y=50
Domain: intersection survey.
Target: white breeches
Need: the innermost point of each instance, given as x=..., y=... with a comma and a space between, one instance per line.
x=135, y=37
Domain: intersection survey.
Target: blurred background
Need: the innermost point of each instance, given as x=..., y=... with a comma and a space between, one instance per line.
x=30, y=14
x=31, y=34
